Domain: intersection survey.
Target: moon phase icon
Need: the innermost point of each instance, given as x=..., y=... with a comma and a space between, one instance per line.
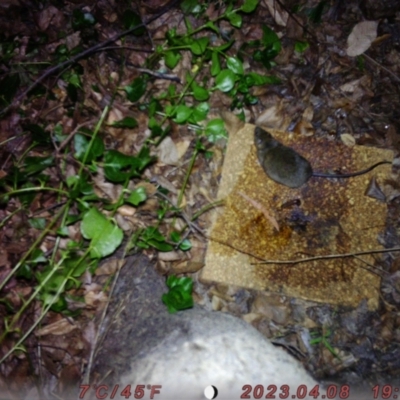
x=210, y=392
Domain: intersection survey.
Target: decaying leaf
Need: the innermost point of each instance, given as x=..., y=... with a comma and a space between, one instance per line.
x=361, y=37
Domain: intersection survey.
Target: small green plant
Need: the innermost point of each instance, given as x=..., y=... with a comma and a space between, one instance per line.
x=179, y=296
x=323, y=338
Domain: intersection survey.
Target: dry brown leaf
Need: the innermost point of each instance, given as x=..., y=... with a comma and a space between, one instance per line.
x=126, y=211
x=348, y=139
x=170, y=256
x=361, y=37
x=274, y=117
x=110, y=267
x=50, y=15
x=60, y=327
x=280, y=16
x=304, y=128
x=96, y=300
x=167, y=152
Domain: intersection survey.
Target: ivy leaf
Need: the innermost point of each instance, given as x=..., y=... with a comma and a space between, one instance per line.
x=172, y=58
x=182, y=114
x=215, y=130
x=81, y=145
x=235, y=65
x=118, y=167
x=301, y=47
x=137, y=196
x=215, y=64
x=199, y=46
x=179, y=296
x=225, y=80
x=190, y=7
x=136, y=89
x=105, y=237
x=199, y=93
x=249, y=6
x=259, y=80
x=200, y=113
x=130, y=20
x=235, y=19
x=127, y=122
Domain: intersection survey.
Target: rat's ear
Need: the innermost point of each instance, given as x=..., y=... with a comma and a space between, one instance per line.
x=232, y=122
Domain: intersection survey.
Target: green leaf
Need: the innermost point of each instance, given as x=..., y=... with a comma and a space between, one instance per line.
x=225, y=80
x=249, y=6
x=182, y=113
x=172, y=58
x=235, y=65
x=131, y=19
x=25, y=271
x=215, y=130
x=118, y=167
x=74, y=80
x=185, y=245
x=213, y=27
x=190, y=7
x=272, y=47
x=234, y=19
x=81, y=20
x=215, y=64
x=38, y=134
x=315, y=13
x=301, y=47
x=262, y=79
x=179, y=296
x=160, y=246
x=153, y=237
x=38, y=256
x=37, y=223
x=127, y=122
x=199, y=93
x=137, y=196
x=104, y=235
x=136, y=89
x=175, y=236
x=199, y=46
x=33, y=165
x=200, y=112
x=81, y=146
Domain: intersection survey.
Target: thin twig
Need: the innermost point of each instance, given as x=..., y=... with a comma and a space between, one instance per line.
x=302, y=260
x=327, y=256
x=382, y=67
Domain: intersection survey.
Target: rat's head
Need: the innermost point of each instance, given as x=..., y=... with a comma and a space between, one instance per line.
x=263, y=140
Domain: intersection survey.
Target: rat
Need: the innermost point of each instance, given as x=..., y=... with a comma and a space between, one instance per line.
x=284, y=165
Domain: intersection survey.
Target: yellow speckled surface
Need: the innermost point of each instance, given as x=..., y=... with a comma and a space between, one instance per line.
x=325, y=216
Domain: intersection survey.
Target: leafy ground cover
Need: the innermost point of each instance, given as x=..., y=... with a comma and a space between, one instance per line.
x=111, y=140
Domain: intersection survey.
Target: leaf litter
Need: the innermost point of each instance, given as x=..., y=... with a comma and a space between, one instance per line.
x=296, y=70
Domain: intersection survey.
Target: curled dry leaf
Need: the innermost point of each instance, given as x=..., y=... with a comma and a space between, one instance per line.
x=280, y=16
x=126, y=211
x=167, y=152
x=110, y=267
x=348, y=139
x=61, y=327
x=274, y=117
x=96, y=300
x=361, y=37
x=170, y=256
